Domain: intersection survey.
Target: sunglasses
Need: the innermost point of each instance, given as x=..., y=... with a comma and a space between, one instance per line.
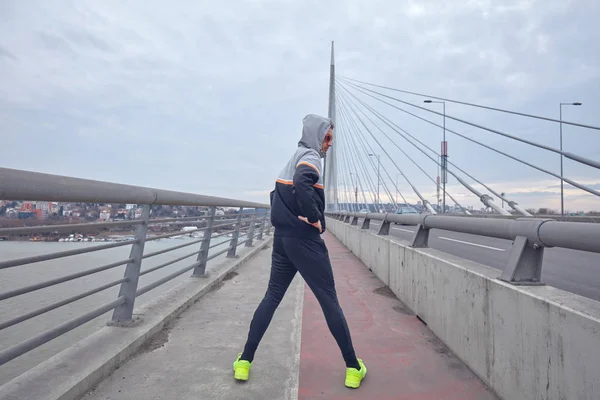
x=328, y=136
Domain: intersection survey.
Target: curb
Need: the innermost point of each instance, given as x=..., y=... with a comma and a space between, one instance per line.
x=72, y=373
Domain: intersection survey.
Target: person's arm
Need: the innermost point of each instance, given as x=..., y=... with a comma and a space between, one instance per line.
x=305, y=177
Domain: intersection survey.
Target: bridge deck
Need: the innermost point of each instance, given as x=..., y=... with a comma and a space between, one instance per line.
x=298, y=358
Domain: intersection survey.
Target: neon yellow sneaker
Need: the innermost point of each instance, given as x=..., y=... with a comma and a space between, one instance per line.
x=354, y=376
x=241, y=369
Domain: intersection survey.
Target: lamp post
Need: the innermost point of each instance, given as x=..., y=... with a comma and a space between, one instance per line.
x=562, y=193
x=378, y=177
x=437, y=186
x=443, y=153
x=355, y=189
x=397, y=200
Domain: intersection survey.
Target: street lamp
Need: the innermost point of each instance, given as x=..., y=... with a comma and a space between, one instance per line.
x=355, y=189
x=562, y=193
x=378, y=177
x=397, y=190
x=443, y=152
x=437, y=184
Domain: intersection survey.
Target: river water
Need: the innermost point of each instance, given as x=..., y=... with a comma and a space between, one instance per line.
x=26, y=275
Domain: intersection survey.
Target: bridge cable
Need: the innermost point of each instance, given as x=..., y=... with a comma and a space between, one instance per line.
x=373, y=165
x=570, y=181
x=340, y=181
x=574, y=157
x=414, y=162
x=484, y=198
x=343, y=182
x=366, y=177
x=365, y=171
x=476, y=105
x=410, y=158
x=356, y=155
x=364, y=143
x=347, y=164
x=344, y=168
x=370, y=150
x=425, y=202
x=362, y=138
x=358, y=180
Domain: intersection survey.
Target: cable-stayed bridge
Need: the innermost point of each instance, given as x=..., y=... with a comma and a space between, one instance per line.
x=443, y=301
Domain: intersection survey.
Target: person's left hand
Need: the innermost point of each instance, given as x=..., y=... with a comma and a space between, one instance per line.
x=316, y=224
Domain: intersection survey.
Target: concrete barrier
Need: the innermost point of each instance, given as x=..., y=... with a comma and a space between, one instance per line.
x=70, y=374
x=524, y=342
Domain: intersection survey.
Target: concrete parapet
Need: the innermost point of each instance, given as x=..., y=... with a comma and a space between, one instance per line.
x=525, y=342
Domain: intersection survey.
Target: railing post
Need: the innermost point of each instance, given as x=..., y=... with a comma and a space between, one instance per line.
x=524, y=265
x=268, y=222
x=262, y=226
x=200, y=270
x=250, y=240
x=384, y=229
x=421, y=238
x=366, y=223
x=123, y=313
x=347, y=219
x=354, y=221
x=234, y=240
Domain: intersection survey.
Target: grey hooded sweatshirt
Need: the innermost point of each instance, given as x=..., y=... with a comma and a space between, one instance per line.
x=299, y=186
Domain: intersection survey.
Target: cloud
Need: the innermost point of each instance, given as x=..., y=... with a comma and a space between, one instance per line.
x=590, y=185
x=7, y=54
x=209, y=97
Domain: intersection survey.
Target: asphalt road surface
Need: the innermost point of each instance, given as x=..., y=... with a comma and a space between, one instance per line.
x=571, y=270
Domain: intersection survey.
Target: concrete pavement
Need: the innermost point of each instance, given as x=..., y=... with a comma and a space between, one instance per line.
x=571, y=270
x=298, y=358
x=193, y=358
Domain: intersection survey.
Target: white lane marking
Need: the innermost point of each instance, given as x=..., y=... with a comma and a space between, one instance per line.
x=404, y=230
x=471, y=244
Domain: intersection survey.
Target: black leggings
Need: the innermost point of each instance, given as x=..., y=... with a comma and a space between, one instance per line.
x=311, y=259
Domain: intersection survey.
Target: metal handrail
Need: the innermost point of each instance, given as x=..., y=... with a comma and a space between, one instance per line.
x=61, y=228
x=223, y=233
x=66, y=227
x=17, y=185
x=168, y=235
x=175, y=274
x=212, y=246
x=62, y=279
x=530, y=236
x=46, y=336
x=147, y=271
x=53, y=306
x=168, y=249
x=181, y=220
x=543, y=232
x=217, y=254
x=179, y=233
x=61, y=254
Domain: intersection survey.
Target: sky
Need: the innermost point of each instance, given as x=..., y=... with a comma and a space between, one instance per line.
x=208, y=97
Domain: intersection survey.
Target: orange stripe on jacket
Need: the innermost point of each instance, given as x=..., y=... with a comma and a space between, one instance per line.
x=309, y=164
x=283, y=181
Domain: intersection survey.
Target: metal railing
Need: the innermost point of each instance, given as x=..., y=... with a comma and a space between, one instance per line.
x=529, y=236
x=24, y=185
